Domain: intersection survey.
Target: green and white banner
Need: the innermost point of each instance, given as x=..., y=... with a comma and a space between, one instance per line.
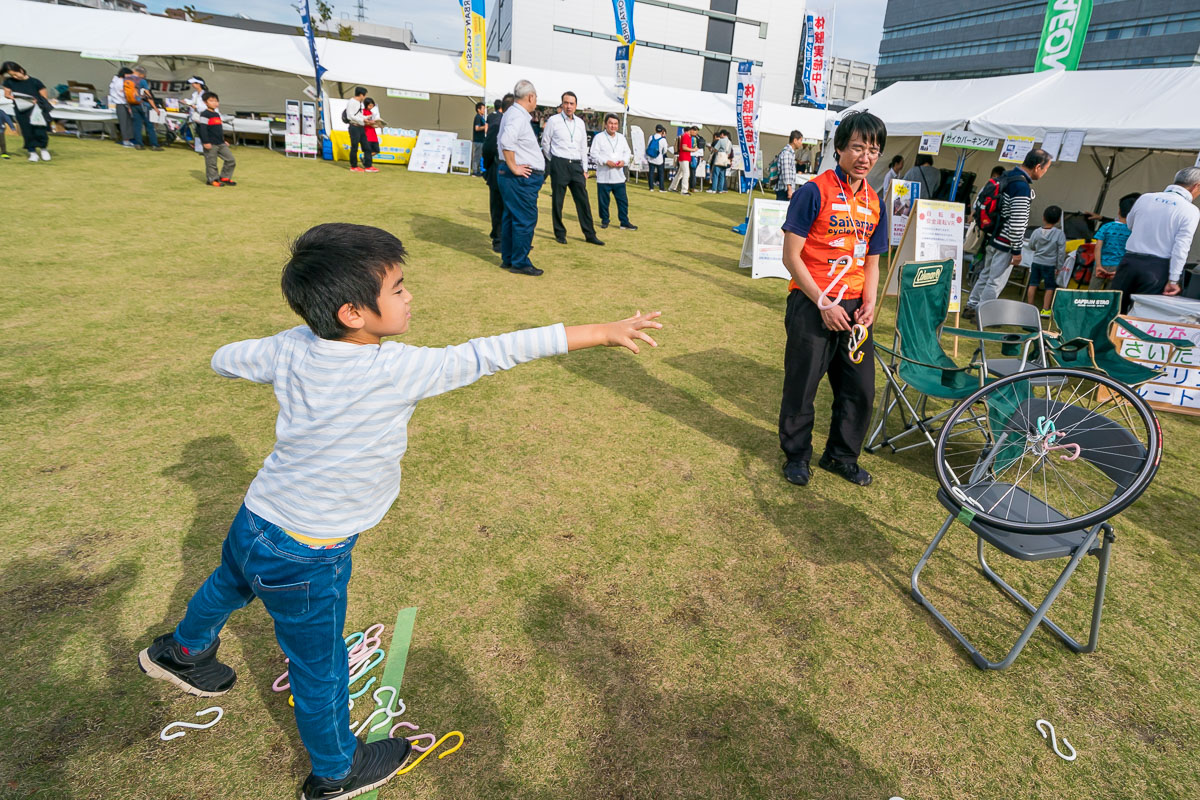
x=1063, y=34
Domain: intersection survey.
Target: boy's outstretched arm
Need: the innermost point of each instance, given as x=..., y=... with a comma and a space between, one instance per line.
x=614, y=334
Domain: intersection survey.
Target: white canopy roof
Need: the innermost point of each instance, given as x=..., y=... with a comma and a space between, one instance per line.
x=1143, y=108
x=59, y=27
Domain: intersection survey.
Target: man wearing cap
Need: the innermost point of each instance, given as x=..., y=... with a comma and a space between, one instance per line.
x=195, y=104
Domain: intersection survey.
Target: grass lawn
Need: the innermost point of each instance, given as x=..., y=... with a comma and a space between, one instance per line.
x=619, y=595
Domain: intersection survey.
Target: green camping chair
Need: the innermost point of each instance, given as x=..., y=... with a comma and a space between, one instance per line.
x=1084, y=319
x=918, y=368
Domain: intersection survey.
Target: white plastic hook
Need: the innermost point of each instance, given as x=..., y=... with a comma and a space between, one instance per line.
x=167, y=737
x=823, y=302
x=385, y=709
x=1050, y=734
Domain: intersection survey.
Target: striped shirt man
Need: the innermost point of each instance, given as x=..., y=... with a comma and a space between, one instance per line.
x=343, y=417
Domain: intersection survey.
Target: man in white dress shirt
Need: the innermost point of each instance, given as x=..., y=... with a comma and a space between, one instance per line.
x=610, y=153
x=564, y=143
x=1161, y=226
x=520, y=174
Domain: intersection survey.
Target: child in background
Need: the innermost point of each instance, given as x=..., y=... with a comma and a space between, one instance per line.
x=212, y=137
x=1112, y=237
x=345, y=398
x=371, y=125
x=1049, y=246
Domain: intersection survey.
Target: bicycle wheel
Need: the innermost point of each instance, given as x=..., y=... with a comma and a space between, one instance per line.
x=1048, y=451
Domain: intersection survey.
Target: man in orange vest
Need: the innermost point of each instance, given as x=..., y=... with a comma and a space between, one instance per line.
x=833, y=234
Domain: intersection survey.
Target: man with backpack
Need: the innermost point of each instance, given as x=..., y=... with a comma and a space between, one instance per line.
x=1005, y=226
x=140, y=101
x=656, y=158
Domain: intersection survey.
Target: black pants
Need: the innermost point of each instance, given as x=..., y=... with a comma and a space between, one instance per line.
x=495, y=199
x=812, y=352
x=1139, y=273
x=35, y=136
x=358, y=138
x=566, y=174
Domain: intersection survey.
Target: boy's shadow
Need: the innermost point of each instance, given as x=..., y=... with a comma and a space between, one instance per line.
x=218, y=472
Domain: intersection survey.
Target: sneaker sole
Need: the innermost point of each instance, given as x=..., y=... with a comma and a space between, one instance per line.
x=147, y=665
x=364, y=789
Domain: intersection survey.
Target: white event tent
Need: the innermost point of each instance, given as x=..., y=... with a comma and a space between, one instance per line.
x=57, y=42
x=1142, y=126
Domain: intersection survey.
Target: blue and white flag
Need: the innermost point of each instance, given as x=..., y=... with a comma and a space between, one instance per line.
x=306, y=21
x=623, y=11
x=816, y=64
x=749, y=101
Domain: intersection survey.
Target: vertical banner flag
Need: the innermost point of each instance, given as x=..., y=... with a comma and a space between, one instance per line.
x=749, y=90
x=1062, y=34
x=306, y=21
x=474, y=56
x=815, y=64
x=623, y=11
x=624, y=62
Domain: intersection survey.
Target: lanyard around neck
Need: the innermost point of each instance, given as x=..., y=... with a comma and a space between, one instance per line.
x=569, y=122
x=851, y=207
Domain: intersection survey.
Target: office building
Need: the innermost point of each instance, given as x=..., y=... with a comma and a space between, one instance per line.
x=849, y=82
x=691, y=44
x=936, y=39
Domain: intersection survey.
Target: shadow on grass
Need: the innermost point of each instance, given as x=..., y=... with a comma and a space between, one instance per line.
x=753, y=387
x=651, y=742
x=446, y=233
x=738, y=286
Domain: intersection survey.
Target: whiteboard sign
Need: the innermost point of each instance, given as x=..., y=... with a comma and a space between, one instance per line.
x=433, y=151
x=1072, y=145
x=1052, y=143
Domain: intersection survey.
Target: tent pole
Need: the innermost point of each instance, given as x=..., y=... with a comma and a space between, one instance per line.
x=962, y=159
x=1108, y=176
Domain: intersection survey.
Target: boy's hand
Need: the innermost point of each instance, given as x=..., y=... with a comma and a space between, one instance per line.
x=614, y=334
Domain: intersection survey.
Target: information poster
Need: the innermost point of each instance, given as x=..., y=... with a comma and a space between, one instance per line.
x=934, y=233
x=461, y=156
x=308, y=129
x=1072, y=146
x=900, y=202
x=291, y=136
x=1052, y=143
x=1016, y=148
x=1178, y=388
x=433, y=151
x=931, y=143
x=637, y=142
x=762, y=246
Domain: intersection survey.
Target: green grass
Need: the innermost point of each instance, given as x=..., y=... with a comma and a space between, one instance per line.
x=619, y=595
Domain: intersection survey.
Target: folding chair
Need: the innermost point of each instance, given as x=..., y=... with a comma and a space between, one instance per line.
x=1084, y=319
x=1029, y=353
x=1061, y=453
x=918, y=368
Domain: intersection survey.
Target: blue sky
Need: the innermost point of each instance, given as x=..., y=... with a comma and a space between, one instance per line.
x=435, y=22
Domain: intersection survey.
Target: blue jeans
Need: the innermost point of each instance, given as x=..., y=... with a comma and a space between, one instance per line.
x=520, y=215
x=692, y=176
x=617, y=190
x=658, y=171
x=142, y=120
x=718, y=181
x=304, y=591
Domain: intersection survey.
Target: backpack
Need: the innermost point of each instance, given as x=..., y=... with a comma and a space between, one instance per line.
x=131, y=93
x=987, y=204
x=773, y=173
x=345, y=118
x=652, y=149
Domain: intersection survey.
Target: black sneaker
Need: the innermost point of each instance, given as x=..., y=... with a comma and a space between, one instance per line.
x=594, y=240
x=850, y=470
x=495, y=245
x=374, y=765
x=628, y=227
x=797, y=472
x=603, y=224
x=560, y=239
x=969, y=313
x=196, y=673
x=528, y=270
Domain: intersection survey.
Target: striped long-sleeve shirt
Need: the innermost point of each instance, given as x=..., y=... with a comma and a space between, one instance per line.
x=343, y=417
x=1014, y=211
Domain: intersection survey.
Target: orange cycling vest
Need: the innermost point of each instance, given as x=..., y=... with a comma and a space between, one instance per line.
x=832, y=234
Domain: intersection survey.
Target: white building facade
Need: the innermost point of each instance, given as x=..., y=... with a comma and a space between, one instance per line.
x=691, y=44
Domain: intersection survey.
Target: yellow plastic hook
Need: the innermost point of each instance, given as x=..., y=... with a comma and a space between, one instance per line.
x=858, y=339
x=435, y=745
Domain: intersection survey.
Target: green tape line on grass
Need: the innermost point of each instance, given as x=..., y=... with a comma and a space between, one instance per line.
x=393, y=670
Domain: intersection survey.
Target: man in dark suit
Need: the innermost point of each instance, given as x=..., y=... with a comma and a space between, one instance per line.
x=491, y=161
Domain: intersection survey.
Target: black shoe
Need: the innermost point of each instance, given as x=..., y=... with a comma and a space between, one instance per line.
x=505, y=266
x=628, y=227
x=560, y=239
x=156, y=148
x=374, y=765
x=495, y=245
x=968, y=313
x=594, y=240
x=850, y=470
x=196, y=673
x=603, y=224
x=530, y=270
x=797, y=472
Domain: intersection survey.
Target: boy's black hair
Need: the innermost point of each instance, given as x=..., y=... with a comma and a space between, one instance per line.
x=207, y=95
x=11, y=66
x=923, y=160
x=997, y=171
x=335, y=264
x=480, y=105
x=1125, y=204
x=1052, y=214
x=865, y=124
x=123, y=71
x=1035, y=158
x=896, y=159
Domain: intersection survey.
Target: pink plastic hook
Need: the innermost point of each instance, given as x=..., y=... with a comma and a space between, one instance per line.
x=275, y=687
x=1074, y=448
x=419, y=736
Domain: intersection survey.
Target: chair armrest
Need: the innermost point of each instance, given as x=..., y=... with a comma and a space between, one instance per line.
x=991, y=336
x=1070, y=349
x=1138, y=333
x=947, y=372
